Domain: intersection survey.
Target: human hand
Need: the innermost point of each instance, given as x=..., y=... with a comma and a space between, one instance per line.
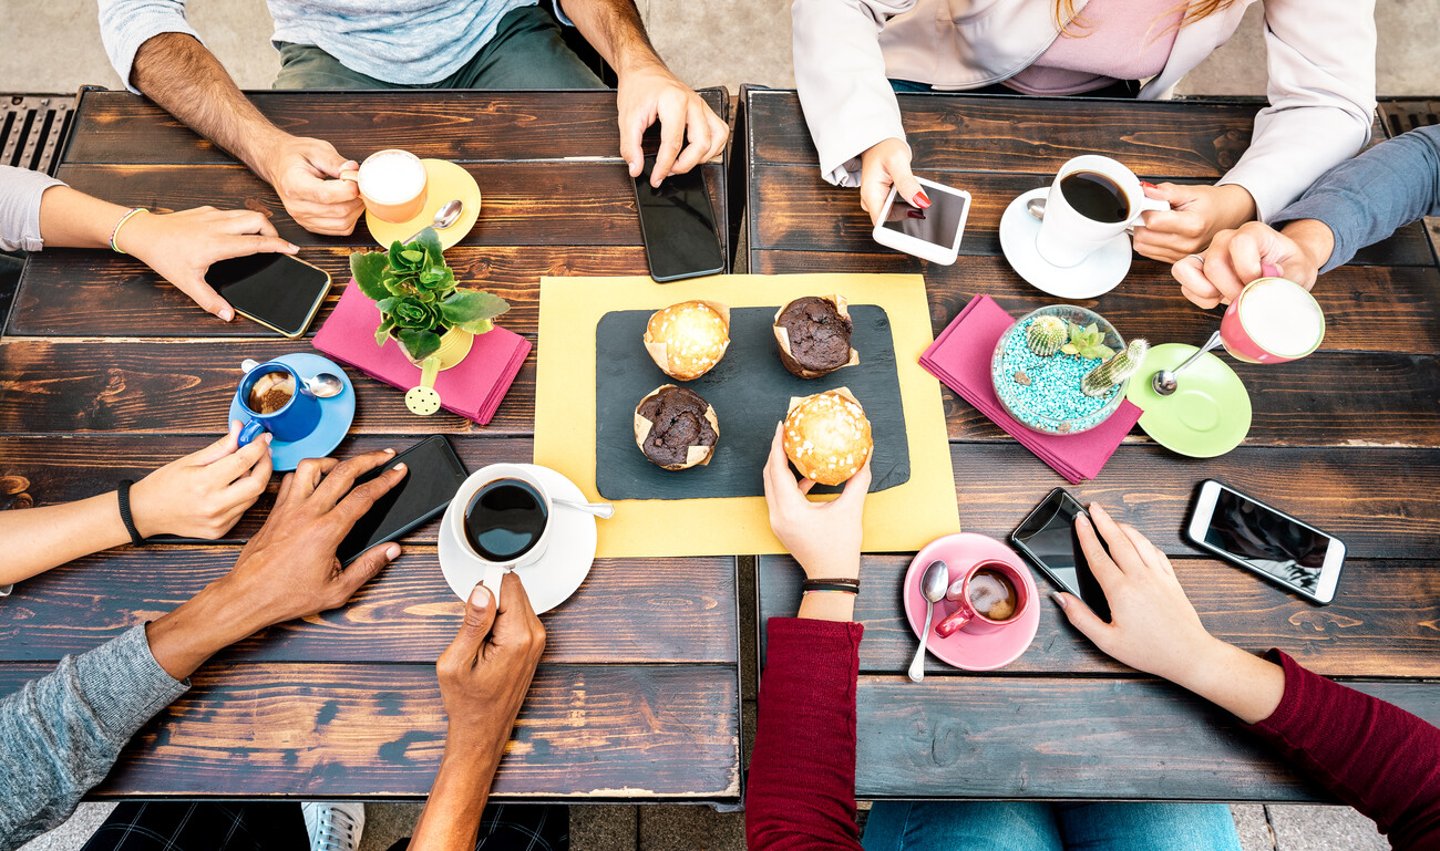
x=1153, y=628
x=181, y=246
x=203, y=494
x=289, y=569
x=306, y=174
x=1196, y=214
x=650, y=92
x=486, y=671
x=823, y=536
x=883, y=165
x=1254, y=250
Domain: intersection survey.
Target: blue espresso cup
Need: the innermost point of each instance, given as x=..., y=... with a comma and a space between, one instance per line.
x=295, y=420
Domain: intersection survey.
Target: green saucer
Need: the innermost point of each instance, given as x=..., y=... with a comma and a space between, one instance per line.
x=1208, y=415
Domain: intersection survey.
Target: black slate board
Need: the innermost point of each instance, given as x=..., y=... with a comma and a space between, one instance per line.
x=750, y=392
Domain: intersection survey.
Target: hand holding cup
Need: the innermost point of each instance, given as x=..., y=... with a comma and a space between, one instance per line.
x=204, y=494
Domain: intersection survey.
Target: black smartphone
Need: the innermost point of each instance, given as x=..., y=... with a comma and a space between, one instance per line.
x=678, y=226
x=1047, y=538
x=1247, y=532
x=435, y=474
x=281, y=292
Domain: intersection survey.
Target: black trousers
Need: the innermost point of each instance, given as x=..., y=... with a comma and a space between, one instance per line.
x=279, y=826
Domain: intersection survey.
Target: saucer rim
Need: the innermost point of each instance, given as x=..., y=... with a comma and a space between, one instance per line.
x=1013, y=211
x=342, y=405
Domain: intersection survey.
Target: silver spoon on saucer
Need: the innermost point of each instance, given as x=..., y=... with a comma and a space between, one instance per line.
x=321, y=385
x=1166, y=381
x=447, y=215
x=602, y=510
x=933, y=585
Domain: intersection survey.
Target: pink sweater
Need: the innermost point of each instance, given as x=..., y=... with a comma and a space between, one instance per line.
x=1109, y=40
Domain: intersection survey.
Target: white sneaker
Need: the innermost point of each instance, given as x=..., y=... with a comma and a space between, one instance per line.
x=334, y=825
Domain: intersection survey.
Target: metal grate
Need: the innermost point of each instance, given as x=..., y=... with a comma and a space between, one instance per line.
x=32, y=128
x=1403, y=115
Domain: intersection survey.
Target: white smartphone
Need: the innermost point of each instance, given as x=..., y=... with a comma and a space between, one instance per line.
x=1247, y=532
x=932, y=234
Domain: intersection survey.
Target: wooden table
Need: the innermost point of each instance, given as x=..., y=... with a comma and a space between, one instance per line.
x=1346, y=438
x=106, y=373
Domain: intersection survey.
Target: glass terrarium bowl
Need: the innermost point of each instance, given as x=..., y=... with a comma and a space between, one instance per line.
x=1044, y=394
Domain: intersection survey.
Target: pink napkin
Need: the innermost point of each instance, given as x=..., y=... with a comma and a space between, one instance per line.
x=962, y=361
x=473, y=388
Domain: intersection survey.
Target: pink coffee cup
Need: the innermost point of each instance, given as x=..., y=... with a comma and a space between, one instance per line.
x=1273, y=320
x=989, y=596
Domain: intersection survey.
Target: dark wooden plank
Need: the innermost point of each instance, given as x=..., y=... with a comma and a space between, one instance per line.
x=115, y=127
x=623, y=614
x=1380, y=625
x=1180, y=139
x=329, y=731
x=1383, y=502
x=1367, y=309
x=1019, y=737
x=793, y=208
x=526, y=203
x=89, y=294
x=75, y=385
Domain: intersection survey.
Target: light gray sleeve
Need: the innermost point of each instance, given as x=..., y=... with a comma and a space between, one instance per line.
x=20, y=191
x=840, y=77
x=127, y=24
x=1366, y=199
x=61, y=734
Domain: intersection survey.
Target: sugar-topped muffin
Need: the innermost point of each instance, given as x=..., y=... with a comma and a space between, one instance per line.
x=827, y=436
x=687, y=339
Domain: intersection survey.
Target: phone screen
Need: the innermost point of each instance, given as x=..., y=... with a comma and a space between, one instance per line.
x=1048, y=538
x=678, y=225
x=434, y=476
x=1267, y=540
x=273, y=289
x=937, y=225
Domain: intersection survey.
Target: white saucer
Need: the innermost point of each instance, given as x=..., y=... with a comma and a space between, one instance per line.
x=557, y=575
x=1096, y=275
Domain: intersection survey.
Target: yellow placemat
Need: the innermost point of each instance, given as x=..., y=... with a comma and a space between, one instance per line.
x=899, y=519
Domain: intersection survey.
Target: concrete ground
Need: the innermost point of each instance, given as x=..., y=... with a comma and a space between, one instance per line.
x=720, y=42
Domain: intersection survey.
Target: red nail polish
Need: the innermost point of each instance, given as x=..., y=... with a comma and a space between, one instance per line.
x=1147, y=184
x=921, y=200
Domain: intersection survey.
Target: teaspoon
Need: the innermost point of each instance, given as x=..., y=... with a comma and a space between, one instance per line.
x=933, y=585
x=447, y=215
x=603, y=510
x=1166, y=381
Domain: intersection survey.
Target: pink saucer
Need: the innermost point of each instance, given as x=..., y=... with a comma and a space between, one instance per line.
x=964, y=650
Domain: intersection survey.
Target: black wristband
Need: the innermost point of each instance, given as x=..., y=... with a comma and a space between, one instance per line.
x=849, y=586
x=123, y=492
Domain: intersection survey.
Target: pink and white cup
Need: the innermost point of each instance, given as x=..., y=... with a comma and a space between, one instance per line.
x=990, y=596
x=1273, y=320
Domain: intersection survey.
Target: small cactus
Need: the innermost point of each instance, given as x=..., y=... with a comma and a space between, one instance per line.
x=1046, y=335
x=1087, y=342
x=1120, y=366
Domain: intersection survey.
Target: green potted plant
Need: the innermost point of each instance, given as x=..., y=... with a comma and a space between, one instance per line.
x=421, y=305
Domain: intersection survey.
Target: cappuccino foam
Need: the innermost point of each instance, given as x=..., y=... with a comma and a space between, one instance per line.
x=1282, y=318
x=392, y=177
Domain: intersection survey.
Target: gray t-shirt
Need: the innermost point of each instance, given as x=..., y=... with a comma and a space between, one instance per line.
x=20, y=191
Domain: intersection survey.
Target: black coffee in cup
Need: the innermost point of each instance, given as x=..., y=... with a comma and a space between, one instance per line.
x=993, y=595
x=1095, y=196
x=505, y=519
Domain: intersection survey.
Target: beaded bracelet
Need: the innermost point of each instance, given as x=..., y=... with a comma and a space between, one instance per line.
x=123, y=492
x=115, y=231
x=849, y=586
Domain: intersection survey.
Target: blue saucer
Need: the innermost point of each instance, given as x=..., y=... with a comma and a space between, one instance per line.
x=336, y=415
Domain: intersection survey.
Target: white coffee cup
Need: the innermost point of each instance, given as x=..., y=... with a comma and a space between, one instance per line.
x=392, y=183
x=493, y=572
x=1067, y=236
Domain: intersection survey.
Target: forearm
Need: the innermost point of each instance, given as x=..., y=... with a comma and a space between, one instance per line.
x=1366, y=199
x=38, y=539
x=179, y=74
x=451, y=819
x=71, y=219
x=1315, y=239
x=615, y=30
x=60, y=735
x=219, y=616
x=1243, y=684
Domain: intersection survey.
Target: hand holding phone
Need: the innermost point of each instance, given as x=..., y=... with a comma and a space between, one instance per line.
x=435, y=474
x=1049, y=539
x=282, y=293
x=678, y=225
x=931, y=234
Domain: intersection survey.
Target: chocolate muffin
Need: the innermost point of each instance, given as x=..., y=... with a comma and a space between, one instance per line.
x=675, y=428
x=813, y=334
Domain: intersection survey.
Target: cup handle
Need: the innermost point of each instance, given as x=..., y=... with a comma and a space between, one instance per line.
x=1147, y=204
x=491, y=576
x=251, y=430
x=955, y=622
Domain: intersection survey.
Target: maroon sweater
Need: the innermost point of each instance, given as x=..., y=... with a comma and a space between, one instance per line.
x=1378, y=758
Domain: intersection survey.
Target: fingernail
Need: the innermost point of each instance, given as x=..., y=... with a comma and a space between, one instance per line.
x=267, y=437
x=400, y=467
x=392, y=552
x=227, y=314
x=1148, y=185
x=389, y=451
x=1058, y=598
x=294, y=249
x=921, y=200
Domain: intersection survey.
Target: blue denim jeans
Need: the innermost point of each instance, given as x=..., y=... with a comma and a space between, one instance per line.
x=1027, y=826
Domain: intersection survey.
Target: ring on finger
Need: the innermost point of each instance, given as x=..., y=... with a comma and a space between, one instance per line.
x=1198, y=258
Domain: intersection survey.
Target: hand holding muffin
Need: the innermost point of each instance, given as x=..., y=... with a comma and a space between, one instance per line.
x=827, y=436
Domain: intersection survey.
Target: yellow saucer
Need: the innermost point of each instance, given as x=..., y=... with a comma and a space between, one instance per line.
x=446, y=181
